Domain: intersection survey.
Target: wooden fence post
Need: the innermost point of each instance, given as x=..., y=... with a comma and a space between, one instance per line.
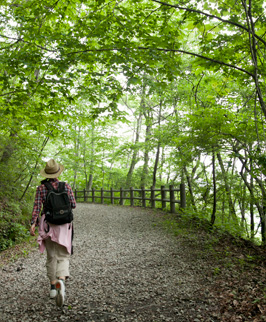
x=76, y=194
x=112, y=196
x=131, y=196
x=172, y=199
x=152, y=197
x=121, y=197
x=101, y=195
x=182, y=196
x=143, y=196
x=92, y=195
x=163, y=197
x=84, y=195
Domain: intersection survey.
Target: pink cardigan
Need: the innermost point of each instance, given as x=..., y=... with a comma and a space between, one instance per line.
x=61, y=234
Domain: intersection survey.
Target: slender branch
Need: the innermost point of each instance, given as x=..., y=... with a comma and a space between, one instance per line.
x=210, y=16
x=166, y=50
x=10, y=93
x=4, y=36
x=41, y=47
x=36, y=164
x=10, y=46
x=196, y=90
x=26, y=42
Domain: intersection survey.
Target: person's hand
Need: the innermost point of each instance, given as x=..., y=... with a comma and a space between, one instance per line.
x=32, y=230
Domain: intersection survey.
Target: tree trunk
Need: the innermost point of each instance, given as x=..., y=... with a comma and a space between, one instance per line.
x=157, y=157
x=90, y=182
x=135, y=152
x=77, y=146
x=261, y=208
x=232, y=211
x=145, y=170
x=251, y=207
x=162, y=164
x=213, y=216
x=206, y=193
x=155, y=168
x=85, y=161
x=92, y=152
x=190, y=189
x=253, y=44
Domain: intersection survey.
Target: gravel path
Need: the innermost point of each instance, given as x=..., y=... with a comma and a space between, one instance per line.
x=124, y=268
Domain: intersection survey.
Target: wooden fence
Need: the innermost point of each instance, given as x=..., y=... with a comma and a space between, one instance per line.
x=143, y=196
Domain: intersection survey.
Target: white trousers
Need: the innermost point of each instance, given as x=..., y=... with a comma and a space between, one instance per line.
x=57, y=263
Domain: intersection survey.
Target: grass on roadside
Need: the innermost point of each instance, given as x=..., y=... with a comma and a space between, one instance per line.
x=217, y=243
x=17, y=251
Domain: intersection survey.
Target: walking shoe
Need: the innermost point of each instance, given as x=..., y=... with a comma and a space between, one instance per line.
x=53, y=293
x=60, y=297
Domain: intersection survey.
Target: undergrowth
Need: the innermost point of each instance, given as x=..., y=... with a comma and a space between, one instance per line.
x=229, y=248
x=14, y=223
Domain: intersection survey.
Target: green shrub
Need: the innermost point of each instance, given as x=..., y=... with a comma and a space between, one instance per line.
x=14, y=218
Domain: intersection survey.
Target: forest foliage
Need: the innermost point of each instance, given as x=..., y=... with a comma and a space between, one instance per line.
x=136, y=93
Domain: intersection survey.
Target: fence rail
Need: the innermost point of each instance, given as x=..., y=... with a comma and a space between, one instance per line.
x=163, y=195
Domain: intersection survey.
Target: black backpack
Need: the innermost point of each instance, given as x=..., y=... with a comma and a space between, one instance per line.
x=57, y=207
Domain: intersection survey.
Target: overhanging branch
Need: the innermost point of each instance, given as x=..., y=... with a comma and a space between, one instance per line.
x=210, y=16
x=167, y=50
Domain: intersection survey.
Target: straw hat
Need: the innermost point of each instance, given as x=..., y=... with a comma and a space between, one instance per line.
x=52, y=169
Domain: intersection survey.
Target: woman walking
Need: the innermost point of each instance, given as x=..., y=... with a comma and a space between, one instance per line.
x=55, y=238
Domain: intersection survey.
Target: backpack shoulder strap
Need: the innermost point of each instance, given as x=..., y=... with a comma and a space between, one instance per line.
x=61, y=186
x=48, y=185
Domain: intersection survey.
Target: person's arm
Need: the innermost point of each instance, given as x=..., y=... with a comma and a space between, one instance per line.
x=71, y=196
x=36, y=211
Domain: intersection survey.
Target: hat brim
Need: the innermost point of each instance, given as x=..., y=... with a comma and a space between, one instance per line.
x=52, y=175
